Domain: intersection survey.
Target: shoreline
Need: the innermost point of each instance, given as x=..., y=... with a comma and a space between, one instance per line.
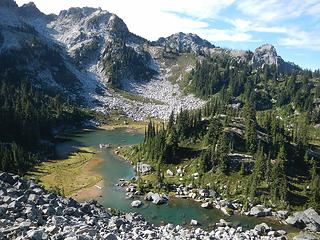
x=272, y=218
x=138, y=127
x=88, y=193
x=94, y=190
x=73, y=176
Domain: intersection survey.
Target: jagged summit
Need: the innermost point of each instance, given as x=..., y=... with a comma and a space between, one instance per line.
x=78, y=12
x=267, y=54
x=184, y=42
x=30, y=11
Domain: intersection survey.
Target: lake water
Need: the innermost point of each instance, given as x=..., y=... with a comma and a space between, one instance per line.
x=177, y=211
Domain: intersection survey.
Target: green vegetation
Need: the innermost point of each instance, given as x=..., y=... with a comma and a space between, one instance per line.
x=28, y=120
x=67, y=176
x=121, y=61
x=276, y=139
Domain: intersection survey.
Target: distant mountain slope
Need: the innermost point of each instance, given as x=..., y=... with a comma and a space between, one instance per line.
x=27, y=54
x=88, y=52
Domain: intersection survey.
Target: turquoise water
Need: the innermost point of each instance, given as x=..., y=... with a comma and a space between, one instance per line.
x=177, y=211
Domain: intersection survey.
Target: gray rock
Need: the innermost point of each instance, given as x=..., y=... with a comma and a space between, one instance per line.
x=14, y=205
x=37, y=190
x=115, y=222
x=305, y=237
x=159, y=198
x=281, y=232
x=223, y=223
x=35, y=234
x=7, y=178
x=204, y=192
x=308, y=219
x=111, y=236
x=207, y=205
x=148, y=196
x=59, y=220
x=182, y=42
x=267, y=55
x=2, y=211
x=282, y=214
x=136, y=203
x=32, y=198
x=262, y=229
x=260, y=211
x=6, y=199
x=25, y=225
x=144, y=168
x=194, y=222
x=169, y=173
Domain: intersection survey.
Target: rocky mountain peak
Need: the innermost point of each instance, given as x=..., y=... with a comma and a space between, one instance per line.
x=30, y=10
x=8, y=4
x=78, y=13
x=267, y=54
x=184, y=42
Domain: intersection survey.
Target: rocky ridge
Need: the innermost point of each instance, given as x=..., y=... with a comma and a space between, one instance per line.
x=76, y=55
x=27, y=211
x=267, y=55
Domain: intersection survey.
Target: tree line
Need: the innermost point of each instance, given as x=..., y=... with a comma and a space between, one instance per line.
x=28, y=119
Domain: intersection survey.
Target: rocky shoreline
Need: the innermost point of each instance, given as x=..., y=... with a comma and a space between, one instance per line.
x=308, y=220
x=27, y=211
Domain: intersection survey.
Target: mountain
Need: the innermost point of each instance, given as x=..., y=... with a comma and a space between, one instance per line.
x=184, y=43
x=25, y=53
x=91, y=55
x=267, y=55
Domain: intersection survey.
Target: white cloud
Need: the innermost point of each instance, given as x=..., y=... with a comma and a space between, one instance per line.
x=250, y=26
x=275, y=10
x=301, y=39
x=220, y=35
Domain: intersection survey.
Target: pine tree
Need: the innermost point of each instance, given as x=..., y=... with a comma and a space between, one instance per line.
x=250, y=128
x=279, y=181
x=222, y=153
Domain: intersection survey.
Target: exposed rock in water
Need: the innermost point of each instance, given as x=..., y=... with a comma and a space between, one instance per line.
x=136, y=203
x=194, y=222
x=260, y=211
x=206, y=205
x=308, y=220
x=27, y=211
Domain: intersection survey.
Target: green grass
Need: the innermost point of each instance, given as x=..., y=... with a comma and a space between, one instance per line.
x=68, y=175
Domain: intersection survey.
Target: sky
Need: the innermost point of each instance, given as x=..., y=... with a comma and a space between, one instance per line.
x=292, y=26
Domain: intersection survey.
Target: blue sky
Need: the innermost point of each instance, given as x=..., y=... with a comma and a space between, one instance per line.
x=292, y=26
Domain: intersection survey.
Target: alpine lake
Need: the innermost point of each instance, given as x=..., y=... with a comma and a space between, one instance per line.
x=176, y=211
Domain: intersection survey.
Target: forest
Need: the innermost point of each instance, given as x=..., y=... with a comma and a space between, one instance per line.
x=28, y=121
x=277, y=132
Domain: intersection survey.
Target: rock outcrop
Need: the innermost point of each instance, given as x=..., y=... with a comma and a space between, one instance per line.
x=184, y=43
x=308, y=219
x=27, y=211
x=267, y=55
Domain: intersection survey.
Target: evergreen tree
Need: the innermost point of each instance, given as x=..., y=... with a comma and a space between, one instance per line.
x=279, y=181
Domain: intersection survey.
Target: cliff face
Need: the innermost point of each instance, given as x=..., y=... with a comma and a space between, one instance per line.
x=267, y=55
